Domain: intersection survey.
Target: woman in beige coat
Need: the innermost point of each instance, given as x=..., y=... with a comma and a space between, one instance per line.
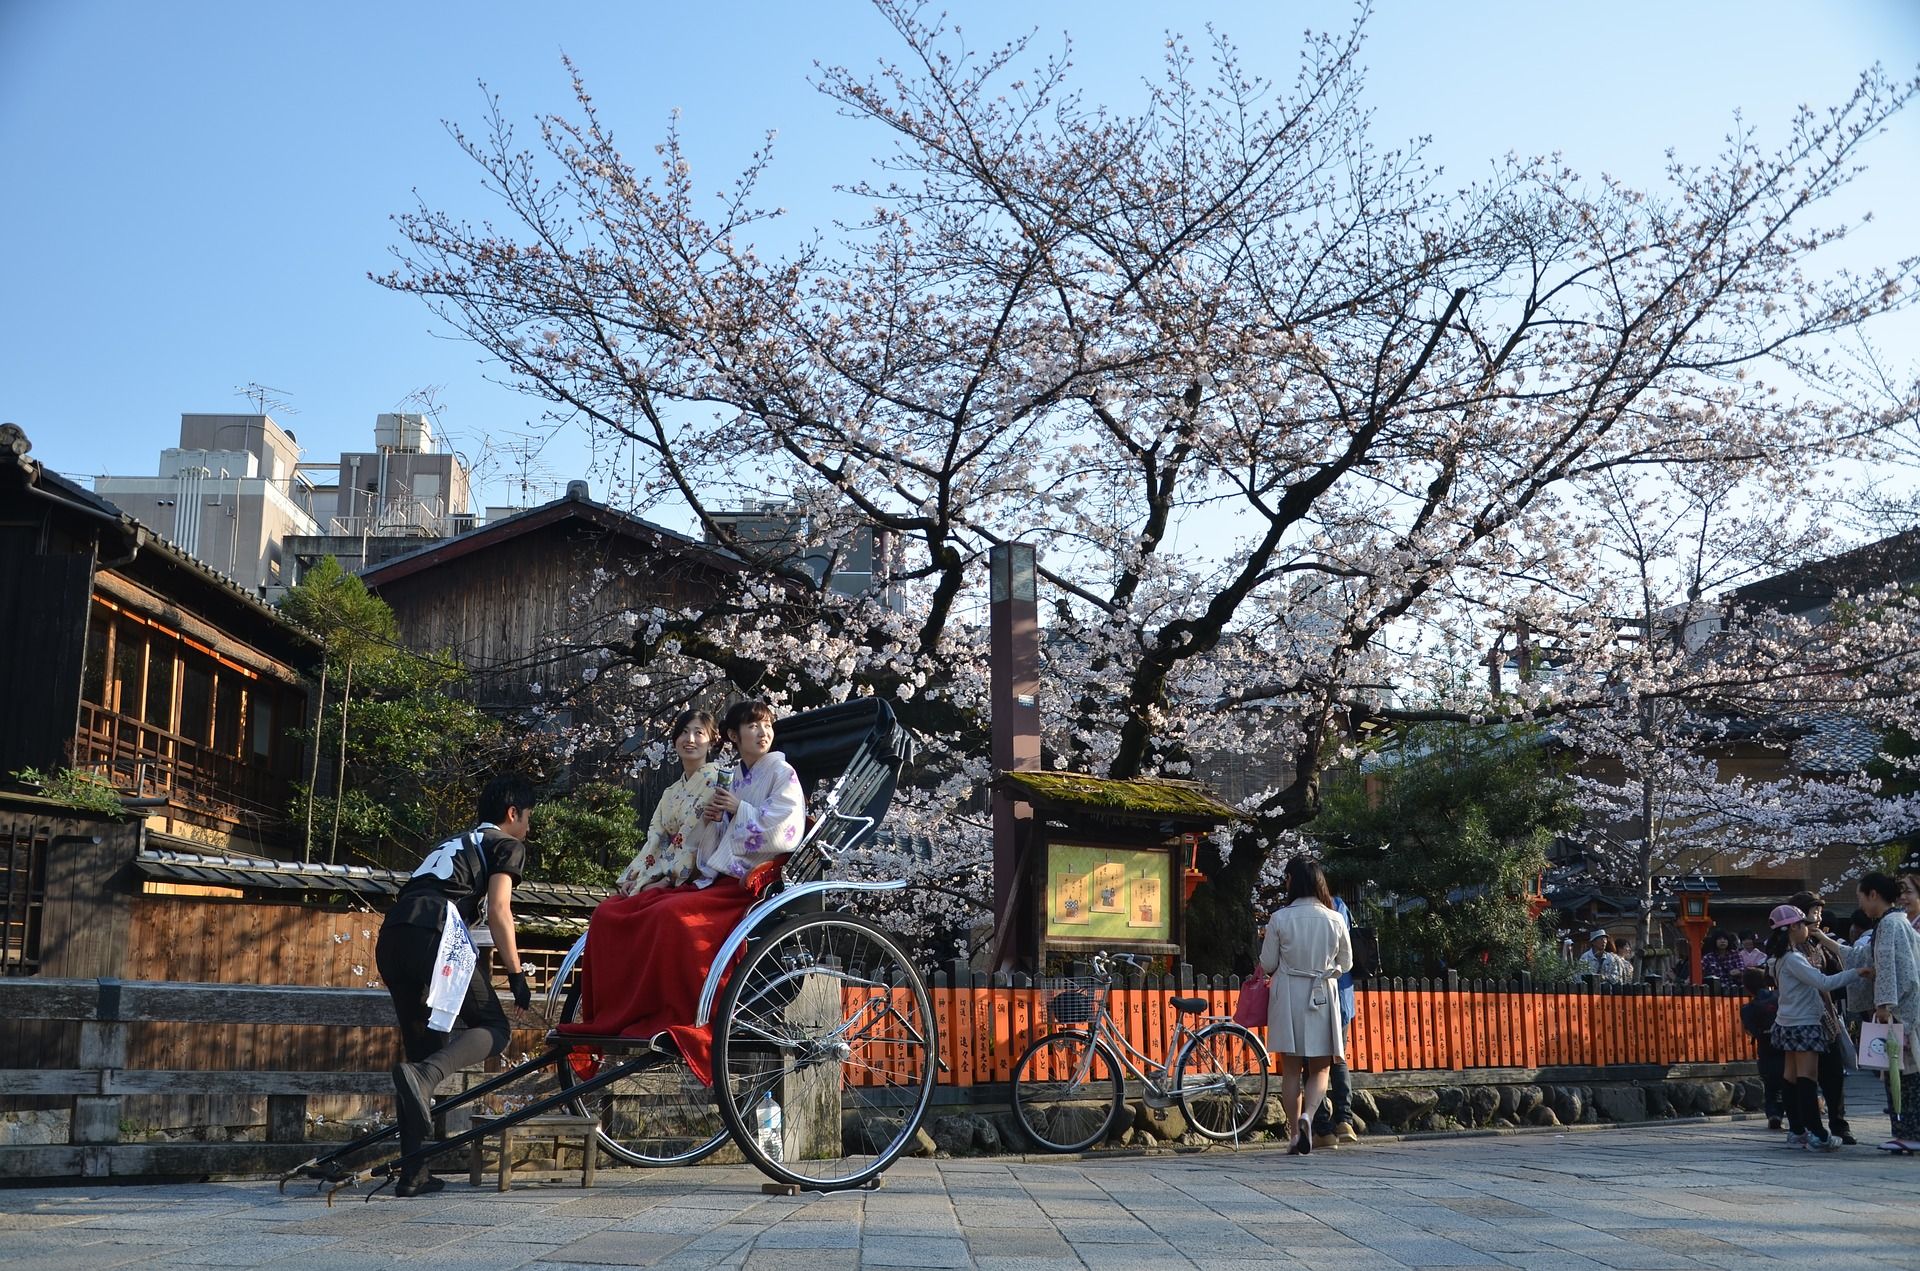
x=1306, y=951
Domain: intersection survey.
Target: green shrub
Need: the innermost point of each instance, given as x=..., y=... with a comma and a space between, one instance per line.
x=74, y=788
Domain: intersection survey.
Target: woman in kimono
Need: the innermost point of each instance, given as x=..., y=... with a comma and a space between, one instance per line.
x=648, y=953
x=1306, y=951
x=761, y=814
x=679, y=835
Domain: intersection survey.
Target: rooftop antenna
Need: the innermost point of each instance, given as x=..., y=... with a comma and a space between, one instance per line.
x=266, y=400
x=424, y=400
x=533, y=476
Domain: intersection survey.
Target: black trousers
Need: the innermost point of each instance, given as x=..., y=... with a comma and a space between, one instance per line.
x=406, y=956
x=1773, y=1080
x=1833, y=1085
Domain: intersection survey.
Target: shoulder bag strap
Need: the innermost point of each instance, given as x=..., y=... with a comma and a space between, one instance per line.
x=476, y=839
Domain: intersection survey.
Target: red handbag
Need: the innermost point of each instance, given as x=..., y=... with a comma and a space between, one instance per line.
x=1251, y=1010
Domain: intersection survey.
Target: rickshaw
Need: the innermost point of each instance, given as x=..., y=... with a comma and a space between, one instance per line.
x=825, y=1052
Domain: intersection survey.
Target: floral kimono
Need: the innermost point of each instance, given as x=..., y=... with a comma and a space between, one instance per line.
x=677, y=836
x=770, y=821
x=649, y=953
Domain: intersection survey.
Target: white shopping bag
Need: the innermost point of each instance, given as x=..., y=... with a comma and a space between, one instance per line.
x=1879, y=1043
x=453, y=968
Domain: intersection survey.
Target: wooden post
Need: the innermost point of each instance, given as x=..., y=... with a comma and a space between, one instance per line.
x=1001, y=994
x=1013, y=655
x=962, y=1050
x=460, y=1119
x=103, y=1046
x=286, y=1118
x=1029, y=1020
x=1459, y=1035
x=810, y=1111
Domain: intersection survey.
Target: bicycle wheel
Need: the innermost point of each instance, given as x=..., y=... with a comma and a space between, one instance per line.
x=1221, y=1081
x=827, y=1021
x=658, y=1116
x=1067, y=1091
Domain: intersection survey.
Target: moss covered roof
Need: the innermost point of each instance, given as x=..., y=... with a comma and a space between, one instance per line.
x=1142, y=797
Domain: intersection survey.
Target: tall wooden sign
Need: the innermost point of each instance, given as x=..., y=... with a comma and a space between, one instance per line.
x=1014, y=654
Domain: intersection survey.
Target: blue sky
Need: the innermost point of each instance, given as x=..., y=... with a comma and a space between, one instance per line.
x=196, y=191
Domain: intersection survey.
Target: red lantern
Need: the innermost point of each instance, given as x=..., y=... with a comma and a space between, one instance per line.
x=1193, y=875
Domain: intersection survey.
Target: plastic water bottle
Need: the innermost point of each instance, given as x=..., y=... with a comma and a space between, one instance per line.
x=767, y=1126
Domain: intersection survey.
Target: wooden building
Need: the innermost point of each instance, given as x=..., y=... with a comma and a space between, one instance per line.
x=99, y=895
x=126, y=657
x=524, y=601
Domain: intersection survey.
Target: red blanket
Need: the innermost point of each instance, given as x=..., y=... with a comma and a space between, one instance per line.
x=647, y=958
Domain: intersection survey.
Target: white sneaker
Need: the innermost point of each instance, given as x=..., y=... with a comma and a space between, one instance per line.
x=1796, y=1139
x=1815, y=1143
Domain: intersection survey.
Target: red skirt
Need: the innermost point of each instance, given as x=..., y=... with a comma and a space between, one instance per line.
x=647, y=959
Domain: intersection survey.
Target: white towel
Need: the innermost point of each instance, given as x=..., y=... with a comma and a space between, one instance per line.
x=453, y=969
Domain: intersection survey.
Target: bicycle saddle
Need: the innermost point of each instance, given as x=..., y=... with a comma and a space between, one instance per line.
x=1189, y=1005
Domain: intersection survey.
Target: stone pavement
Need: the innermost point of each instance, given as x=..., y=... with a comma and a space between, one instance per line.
x=1721, y=1195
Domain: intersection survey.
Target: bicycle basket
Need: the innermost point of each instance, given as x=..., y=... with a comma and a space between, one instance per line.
x=1076, y=1001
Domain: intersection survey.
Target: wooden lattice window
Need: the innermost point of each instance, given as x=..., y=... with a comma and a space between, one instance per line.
x=23, y=894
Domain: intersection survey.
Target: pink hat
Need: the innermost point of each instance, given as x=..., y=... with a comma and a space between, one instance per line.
x=1785, y=916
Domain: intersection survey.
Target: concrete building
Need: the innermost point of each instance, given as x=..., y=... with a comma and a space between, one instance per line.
x=229, y=495
x=236, y=495
x=406, y=484
x=848, y=558
x=374, y=505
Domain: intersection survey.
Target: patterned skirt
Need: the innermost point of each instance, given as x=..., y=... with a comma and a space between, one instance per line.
x=1805, y=1037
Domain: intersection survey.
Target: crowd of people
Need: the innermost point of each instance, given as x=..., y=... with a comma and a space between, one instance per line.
x=1724, y=962
x=1812, y=994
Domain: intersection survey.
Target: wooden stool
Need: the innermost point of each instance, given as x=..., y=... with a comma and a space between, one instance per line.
x=558, y=1124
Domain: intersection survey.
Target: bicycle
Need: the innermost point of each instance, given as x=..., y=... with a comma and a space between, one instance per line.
x=1069, y=1087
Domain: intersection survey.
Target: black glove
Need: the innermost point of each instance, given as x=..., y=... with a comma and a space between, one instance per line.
x=522, y=991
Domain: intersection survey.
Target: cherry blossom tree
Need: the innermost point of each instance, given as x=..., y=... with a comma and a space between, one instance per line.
x=1286, y=411
x=1725, y=725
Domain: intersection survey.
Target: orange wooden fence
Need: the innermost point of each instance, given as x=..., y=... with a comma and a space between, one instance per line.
x=1402, y=1025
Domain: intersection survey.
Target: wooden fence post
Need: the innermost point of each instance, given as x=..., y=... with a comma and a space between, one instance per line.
x=966, y=1039
x=1458, y=1035
x=1026, y=1024
x=943, y=995
x=103, y=1046
x=286, y=1118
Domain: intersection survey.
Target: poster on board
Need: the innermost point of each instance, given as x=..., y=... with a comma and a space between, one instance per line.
x=1070, y=900
x=1122, y=893
x=1146, y=910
